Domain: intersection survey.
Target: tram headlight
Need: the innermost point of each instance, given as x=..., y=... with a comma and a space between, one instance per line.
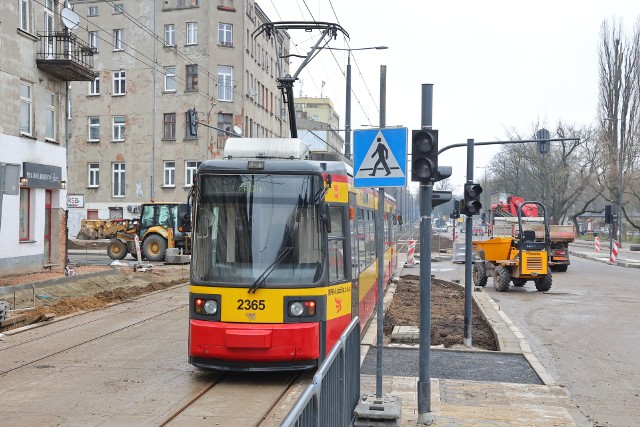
x=211, y=306
x=205, y=306
x=302, y=308
x=296, y=309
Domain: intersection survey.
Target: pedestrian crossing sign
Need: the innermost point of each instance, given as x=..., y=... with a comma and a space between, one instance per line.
x=380, y=157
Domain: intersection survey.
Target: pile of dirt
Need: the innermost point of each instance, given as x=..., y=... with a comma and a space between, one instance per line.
x=19, y=279
x=447, y=314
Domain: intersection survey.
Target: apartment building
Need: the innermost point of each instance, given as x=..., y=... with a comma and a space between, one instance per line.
x=39, y=55
x=318, y=124
x=130, y=140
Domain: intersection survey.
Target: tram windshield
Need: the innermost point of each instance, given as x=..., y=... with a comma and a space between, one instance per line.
x=258, y=227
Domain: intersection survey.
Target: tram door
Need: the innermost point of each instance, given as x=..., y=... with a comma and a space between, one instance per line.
x=355, y=261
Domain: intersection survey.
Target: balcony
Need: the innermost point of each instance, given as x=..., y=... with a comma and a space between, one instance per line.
x=65, y=57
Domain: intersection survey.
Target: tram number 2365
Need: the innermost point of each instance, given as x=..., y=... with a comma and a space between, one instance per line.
x=251, y=304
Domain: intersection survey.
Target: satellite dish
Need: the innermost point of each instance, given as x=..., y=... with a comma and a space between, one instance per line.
x=237, y=130
x=70, y=19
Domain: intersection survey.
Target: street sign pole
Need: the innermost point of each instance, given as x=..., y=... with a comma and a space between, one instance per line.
x=468, y=255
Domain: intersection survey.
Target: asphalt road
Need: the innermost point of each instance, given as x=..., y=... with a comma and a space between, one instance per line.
x=585, y=331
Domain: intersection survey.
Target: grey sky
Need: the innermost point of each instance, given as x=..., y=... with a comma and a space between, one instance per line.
x=495, y=65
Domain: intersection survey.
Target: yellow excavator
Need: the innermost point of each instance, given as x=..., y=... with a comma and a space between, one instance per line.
x=160, y=226
x=515, y=259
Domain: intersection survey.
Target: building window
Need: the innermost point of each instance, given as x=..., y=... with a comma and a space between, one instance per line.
x=119, y=82
x=26, y=114
x=93, y=40
x=94, y=129
x=24, y=15
x=117, y=39
x=118, y=128
x=192, y=33
x=169, y=173
x=25, y=210
x=190, y=169
x=118, y=180
x=94, y=86
x=94, y=175
x=118, y=9
x=225, y=34
x=169, y=35
x=225, y=83
x=93, y=11
x=50, y=116
x=192, y=77
x=170, y=79
x=188, y=3
x=169, y=124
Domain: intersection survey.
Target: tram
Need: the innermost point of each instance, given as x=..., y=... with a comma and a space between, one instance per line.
x=283, y=256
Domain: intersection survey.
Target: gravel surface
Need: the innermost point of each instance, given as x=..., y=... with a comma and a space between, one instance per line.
x=458, y=365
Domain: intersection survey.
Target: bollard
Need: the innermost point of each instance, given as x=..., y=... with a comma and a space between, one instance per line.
x=614, y=253
x=597, y=240
x=411, y=248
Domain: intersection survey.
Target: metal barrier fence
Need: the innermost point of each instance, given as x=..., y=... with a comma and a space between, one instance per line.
x=334, y=393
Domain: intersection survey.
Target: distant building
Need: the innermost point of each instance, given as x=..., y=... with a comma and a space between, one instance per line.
x=38, y=56
x=318, y=124
x=157, y=59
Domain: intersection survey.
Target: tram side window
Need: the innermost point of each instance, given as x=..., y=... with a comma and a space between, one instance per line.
x=360, y=238
x=371, y=237
x=337, y=242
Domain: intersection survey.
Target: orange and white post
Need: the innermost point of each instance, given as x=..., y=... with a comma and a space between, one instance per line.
x=614, y=253
x=411, y=248
x=597, y=241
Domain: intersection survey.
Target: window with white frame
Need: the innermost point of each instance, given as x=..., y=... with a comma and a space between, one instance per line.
x=170, y=79
x=26, y=113
x=119, y=82
x=225, y=34
x=169, y=173
x=192, y=77
x=117, y=39
x=118, y=9
x=190, y=169
x=118, y=180
x=118, y=128
x=170, y=35
x=94, y=175
x=92, y=11
x=25, y=214
x=192, y=33
x=94, y=129
x=50, y=116
x=169, y=126
x=94, y=86
x=225, y=83
x=49, y=30
x=93, y=40
x=25, y=17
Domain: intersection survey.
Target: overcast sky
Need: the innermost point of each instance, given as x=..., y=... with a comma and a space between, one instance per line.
x=494, y=64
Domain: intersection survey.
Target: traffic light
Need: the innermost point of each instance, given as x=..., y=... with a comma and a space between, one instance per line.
x=440, y=197
x=471, y=204
x=456, y=210
x=608, y=214
x=424, y=155
x=192, y=122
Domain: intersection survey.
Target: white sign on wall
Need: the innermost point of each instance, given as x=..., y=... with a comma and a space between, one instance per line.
x=75, y=200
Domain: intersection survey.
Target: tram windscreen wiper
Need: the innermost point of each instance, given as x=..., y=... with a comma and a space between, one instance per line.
x=263, y=277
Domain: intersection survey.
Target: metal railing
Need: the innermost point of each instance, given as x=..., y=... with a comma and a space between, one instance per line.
x=334, y=393
x=65, y=46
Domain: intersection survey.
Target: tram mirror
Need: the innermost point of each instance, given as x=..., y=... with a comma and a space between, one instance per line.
x=326, y=217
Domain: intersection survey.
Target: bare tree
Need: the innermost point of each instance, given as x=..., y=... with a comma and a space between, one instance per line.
x=619, y=114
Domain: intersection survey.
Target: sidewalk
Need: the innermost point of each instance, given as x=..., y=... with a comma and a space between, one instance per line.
x=586, y=249
x=480, y=403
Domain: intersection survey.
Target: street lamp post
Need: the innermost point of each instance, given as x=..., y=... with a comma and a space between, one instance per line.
x=347, y=114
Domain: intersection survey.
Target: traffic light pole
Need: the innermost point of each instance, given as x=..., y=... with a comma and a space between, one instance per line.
x=426, y=192
x=468, y=255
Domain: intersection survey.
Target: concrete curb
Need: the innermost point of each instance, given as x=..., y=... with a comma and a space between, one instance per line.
x=62, y=280
x=605, y=260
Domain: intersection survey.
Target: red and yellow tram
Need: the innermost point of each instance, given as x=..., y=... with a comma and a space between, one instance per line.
x=283, y=256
